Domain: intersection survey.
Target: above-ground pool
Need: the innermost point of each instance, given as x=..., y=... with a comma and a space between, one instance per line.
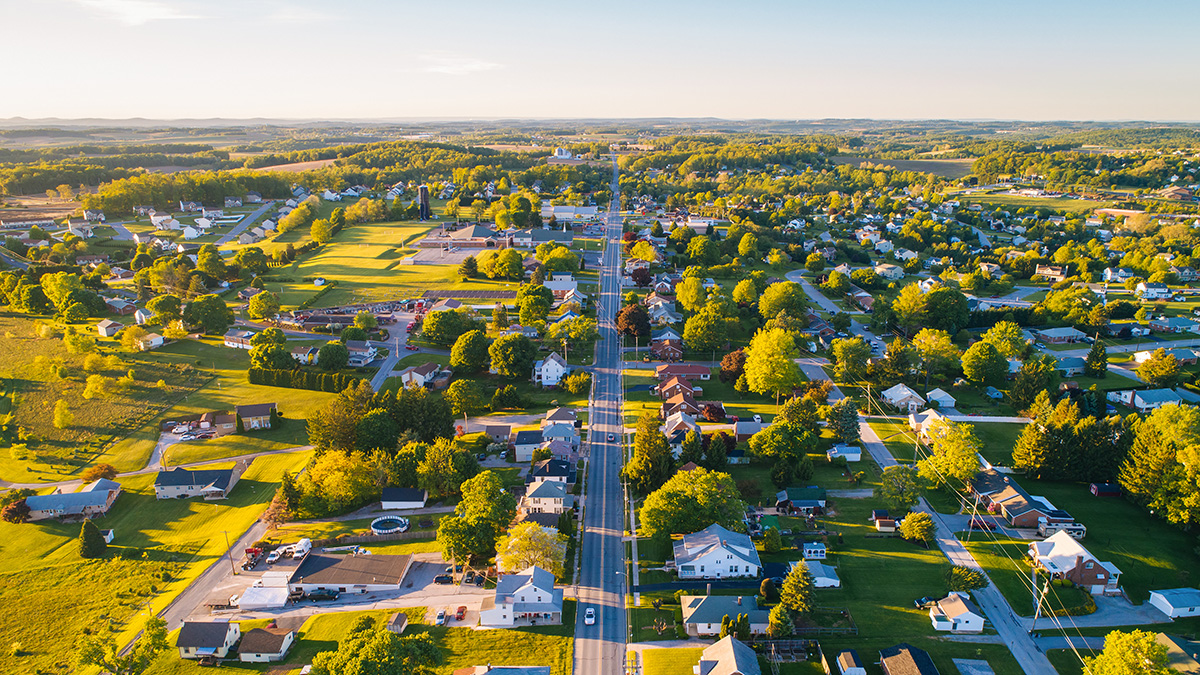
x=389, y=525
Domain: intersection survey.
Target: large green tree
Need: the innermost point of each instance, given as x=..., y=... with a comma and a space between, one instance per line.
x=1162, y=471
x=783, y=297
x=210, y=313
x=954, y=457
x=652, y=462
x=691, y=501
x=984, y=365
x=771, y=366
x=100, y=650
x=470, y=352
x=512, y=355
x=482, y=515
x=1136, y=652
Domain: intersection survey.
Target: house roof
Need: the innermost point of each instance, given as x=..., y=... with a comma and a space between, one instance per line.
x=712, y=608
x=905, y=659
x=1058, y=552
x=681, y=369
x=819, y=570
x=1065, y=331
x=554, y=357
x=698, y=544
x=528, y=437
x=536, y=577
x=1180, y=597
x=849, y=659
x=900, y=392
x=203, y=634
x=255, y=410
x=795, y=495
x=938, y=394
x=1071, y=362
x=215, y=478
x=551, y=468
x=1158, y=396
x=92, y=495
x=729, y=656
x=955, y=605
x=349, y=570
x=546, y=489
x=473, y=232
x=1183, y=656
x=108, y=323
x=264, y=641
x=401, y=494
x=497, y=429
x=561, y=415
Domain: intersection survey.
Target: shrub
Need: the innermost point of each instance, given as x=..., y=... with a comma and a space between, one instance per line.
x=959, y=578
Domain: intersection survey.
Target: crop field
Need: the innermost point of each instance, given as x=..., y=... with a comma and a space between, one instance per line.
x=947, y=168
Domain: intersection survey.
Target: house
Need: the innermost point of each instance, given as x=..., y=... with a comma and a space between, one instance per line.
x=120, y=306
x=681, y=402
x=180, y=483
x=1071, y=366
x=957, y=614
x=905, y=659
x=525, y=443
x=716, y=553
x=561, y=424
x=889, y=272
x=1177, y=602
x=91, y=501
x=207, y=639
x=560, y=450
x=558, y=470
x=546, y=496
x=1000, y=493
x=394, y=499
x=903, y=398
x=1183, y=656
x=247, y=238
x=677, y=385
x=991, y=269
x=256, y=415
x=331, y=196
x=1058, y=336
x=926, y=421
x=851, y=453
x=807, y=500
x=1152, y=291
x=350, y=573
x=238, y=338
x=265, y=645
x=419, y=376
x=189, y=206
x=212, y=213
x=533, y=237
x=527, y=598
x=814, y=550
x=1174, y=324
x=307, y=356
x=252, y=198
x=1145, y=400
x=1062, y=557
x=728, y=656
x=150, y=341
x=906, y=255
x=190, y=232
x=849, y=663
x=1118, y=275
x=1052, y=273
x=1184, y=274
x=680, y=421
x=941, y=397
x=362, y=352
x=231, y=202
x=549, y=371
x=1185, y=357
x=703, y=614
x=666, y=344
x=499, y=433
x=884, y=246
x=691, y=372
x=561, y=285
x=108, y=328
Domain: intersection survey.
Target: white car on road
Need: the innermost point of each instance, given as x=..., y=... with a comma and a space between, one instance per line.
x=589, y=617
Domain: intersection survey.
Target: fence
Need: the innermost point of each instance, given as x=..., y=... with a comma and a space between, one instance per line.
x=365, y=538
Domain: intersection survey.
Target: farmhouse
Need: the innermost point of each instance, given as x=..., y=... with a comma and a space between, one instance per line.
x=546, y=496
x=1062, y=557
x=393, y=498
x=716, y=553
x=92, y=500
x=207, y=639
x=264, y=645
x=549, y=371
x=1149, y=290
x=180, y=483
x=703, y=614
x=528, y=598
x=350, y=573
x=256, y=415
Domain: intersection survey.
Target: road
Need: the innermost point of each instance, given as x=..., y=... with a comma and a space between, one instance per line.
x=600, y=648
x=244, y=223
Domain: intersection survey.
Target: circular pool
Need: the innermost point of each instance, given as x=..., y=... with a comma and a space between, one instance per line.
x=389, y=525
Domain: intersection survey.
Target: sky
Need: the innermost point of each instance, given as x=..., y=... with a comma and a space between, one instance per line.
x=750, y=59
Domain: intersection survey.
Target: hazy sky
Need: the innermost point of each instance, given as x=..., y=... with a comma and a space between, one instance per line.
x=1091, y=60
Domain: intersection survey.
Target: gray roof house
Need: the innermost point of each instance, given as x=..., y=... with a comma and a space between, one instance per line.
x=209, y=483
x=715, y=553
x=199, y=639
x=526, y=442
x=94, y=499
x=527, y=598
x=702, y=614
x=729, y=656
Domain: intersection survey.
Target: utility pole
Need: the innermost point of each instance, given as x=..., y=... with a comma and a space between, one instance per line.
x=229, y=552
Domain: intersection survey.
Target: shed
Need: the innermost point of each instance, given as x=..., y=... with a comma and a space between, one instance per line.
x=403, y=498
x=1177, y=602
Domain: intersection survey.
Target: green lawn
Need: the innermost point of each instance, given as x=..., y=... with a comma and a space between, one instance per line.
x=677, y=661
x=897, y=437
x=998, y=439
x=1066, y=661
x=338, y=528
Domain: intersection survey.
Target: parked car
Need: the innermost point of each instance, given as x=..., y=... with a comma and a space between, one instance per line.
x=470, y=578
x=274, y=556
x=589, y=617
x=461, y=613
x=441, y=618
x=925, y=602
x=411, y=348
x=758, y=419
x=481, y=456
x=320, y=595
x=479, y=580
x=981, y=524
x=443, y=579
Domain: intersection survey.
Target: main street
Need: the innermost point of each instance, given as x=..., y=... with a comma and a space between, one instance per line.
x=600, y=648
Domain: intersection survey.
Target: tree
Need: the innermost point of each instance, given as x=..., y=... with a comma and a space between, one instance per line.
x=783, y=297
x=652, y=462
x=333, y=356
x=850, y=356
x=909, y=309
x=1163, y=466
x=16, y=511
x=91, y=542
x=899, y=487
x=366, y=320
x=469, y=269
x=954, y=455
x=379, y=652
x=63, y=418
x=633, y=321
x=702, y=251
x=528, y=544
x=691, y=501
x=99, y=650
x=1036, y=375
x=321, y=231
x=271, y=357
x=444, y=327
x=960, y=578
x=644, y=250
x=771, y=363
x=946, y=309
x=512, y=355
x=691, y=294
x=801, y=411
x=706, y=330
x=815, y=262
x=444, y=468
x=480, y=518
x=97, y=471
x=984, y=365
x=500, y=316
x=641, y=277
x=166, y=308
x=1096, y=363
x=837, y=284
x=767, y=590
x=780, y=623
x=772, y=542
x=1160, y=370
x=843, y=420
x=209, y=313
x=1007, y=338
x=748, y=246
x=918, y=527
x=209, y=261
x=470, y=352
x=252, y=260
x=733, y=365
x=797, y=591
x=376, y=430
x=1136, y=652
x=465, y=397
x=692, y=449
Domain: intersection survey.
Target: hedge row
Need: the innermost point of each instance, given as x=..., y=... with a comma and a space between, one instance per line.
x=329, y=285
x=302, y=379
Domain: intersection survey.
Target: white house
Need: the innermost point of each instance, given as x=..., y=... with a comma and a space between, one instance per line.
x=889, y=272
x=560, y=430
x=716, y=553
x=331, y=196
x=199, y=639
x=419, y=376
x=957, y=614
x=150, y=341
x=906, y=255
x=265, y=645
x=523, y=599
x=814, y=550
x=884, y=246
x=525, y=443
x=546, y=496
x=903, y=398
x=941, y=397
x=395, y=499
x=1152, y=291
x=238, y=339
x=549, y=371
x=926, y=421
x=108, y=328
x=851, y=453
x=190, y=232
x=728, y=656
x=824, y=576
x=1177, y=602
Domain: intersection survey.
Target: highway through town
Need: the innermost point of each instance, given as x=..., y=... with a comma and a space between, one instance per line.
x=600, y=648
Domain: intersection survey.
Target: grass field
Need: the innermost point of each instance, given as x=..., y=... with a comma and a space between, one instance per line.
x=947, y=168
x=1015, y=201
x=998, y=439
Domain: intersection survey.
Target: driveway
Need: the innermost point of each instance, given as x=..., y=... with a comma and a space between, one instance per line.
x=244, y=223
x=123, y=233
x=1109, y=612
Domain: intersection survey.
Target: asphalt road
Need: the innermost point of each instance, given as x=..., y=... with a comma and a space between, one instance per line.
x=600, y=648
x=246, y=221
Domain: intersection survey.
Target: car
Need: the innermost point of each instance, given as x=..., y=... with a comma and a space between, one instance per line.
x=481, y=456
x=612, y=437
x=320, y=595
x=443, y=579
x=274, y=556
x=206, y=436
x=411, y=348
x=470, y=578
x=925, y=602
x=441, y=618
x=589, y=617
x=451, y=569
x=981, y=524
x=758, y=418
x=188, y=437
x=460, y=613
x=479, y=580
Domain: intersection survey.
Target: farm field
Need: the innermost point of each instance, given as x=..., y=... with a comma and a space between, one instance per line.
x=170, y=543
x=1016, y=201
x=947, y=168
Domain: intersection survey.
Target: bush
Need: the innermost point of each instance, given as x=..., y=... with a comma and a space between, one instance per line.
x=301, y=379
